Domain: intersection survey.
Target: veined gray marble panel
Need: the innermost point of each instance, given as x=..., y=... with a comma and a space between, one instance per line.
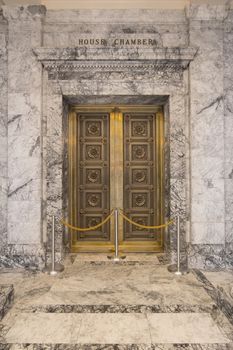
x=205, y=12
x=228, y=128
x=22, y=255
x=24, y=179
x=24, y=143
x=210, y=256
x=208, y=233
x=29, y=14
x=207, y=130
x=24, y=222
x=21, y=109
x=116, y=16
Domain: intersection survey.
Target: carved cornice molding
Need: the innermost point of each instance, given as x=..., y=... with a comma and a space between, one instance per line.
x=73, y=70
x=109, y=66
x=112, y=58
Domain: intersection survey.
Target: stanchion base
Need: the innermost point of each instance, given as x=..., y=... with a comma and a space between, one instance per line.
x=53, y=273
x=173, y=269
x=178, y=273
x=58, y=268
x=116, y=258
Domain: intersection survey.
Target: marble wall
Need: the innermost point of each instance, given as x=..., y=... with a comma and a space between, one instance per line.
x=189, y=68
x=23, y=148
x=228, y=130
x=3, y=132
x=210, y=136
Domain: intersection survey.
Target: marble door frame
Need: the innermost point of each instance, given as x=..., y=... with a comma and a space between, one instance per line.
x=69, y=78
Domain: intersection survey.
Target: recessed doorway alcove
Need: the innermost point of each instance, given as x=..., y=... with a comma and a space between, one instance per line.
x=116, y=160
x=129, y=77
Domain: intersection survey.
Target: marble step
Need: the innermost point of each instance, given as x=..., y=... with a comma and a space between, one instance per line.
x=115, y=328
x=6, y=299
x=177, y=346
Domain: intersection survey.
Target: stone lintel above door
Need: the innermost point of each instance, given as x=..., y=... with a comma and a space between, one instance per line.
x=167, y=57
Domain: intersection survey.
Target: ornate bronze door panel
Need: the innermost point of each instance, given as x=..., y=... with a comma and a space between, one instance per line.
x=142, y=178
x=115, y=160
x=89, y=168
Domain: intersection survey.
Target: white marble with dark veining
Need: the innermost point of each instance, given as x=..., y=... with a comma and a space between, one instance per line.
x=60, y=325
x=188, y=68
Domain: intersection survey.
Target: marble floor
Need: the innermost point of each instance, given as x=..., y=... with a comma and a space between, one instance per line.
x=136, y=304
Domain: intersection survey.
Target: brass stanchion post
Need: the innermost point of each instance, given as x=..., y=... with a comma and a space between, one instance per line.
x=178, y=246
x=177, y=269
x=116, y=233
x=116, y=257
x=54, y=267
x=53, y=272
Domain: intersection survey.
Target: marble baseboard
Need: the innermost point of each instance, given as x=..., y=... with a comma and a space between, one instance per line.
x=6, y=298
x=31, y=262
x=181, y=346
x=223, y=282
x=210, y=257
x=217, y=296
x=121, y=308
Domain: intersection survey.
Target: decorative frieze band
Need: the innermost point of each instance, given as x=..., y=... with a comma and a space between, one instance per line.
x=73, y=66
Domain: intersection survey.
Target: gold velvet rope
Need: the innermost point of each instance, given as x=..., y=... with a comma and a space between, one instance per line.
x=143, y=226
x=88, y=228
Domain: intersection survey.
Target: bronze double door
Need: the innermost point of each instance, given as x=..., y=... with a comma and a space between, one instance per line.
x=116, y=161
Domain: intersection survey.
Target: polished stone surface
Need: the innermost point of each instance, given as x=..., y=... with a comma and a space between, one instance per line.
x=115, y=328
x=103, y=305
x=140, y=280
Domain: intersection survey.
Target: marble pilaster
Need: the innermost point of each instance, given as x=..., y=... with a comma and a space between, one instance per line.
x=24, y=131
x=228, y=130
x=206, y=130
x=3, y=132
